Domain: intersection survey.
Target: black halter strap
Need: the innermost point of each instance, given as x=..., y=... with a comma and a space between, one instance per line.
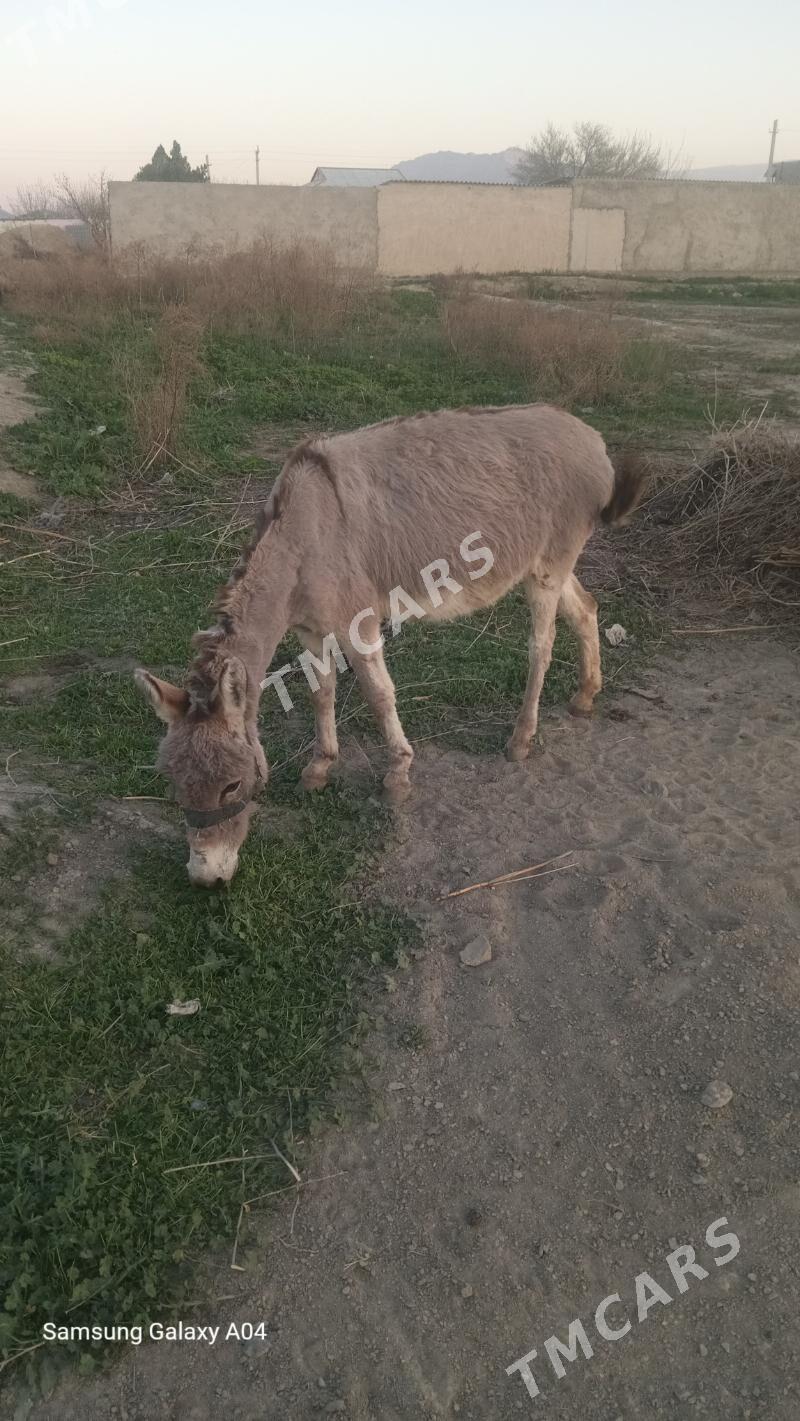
x=206, y=818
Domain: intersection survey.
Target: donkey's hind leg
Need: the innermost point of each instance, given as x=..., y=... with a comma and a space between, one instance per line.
x=378, y=689
x=543, y=602
x=580, y=610
x=326, y=744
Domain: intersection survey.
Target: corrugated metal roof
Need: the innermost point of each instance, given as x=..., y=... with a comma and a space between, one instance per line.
x=355, y=177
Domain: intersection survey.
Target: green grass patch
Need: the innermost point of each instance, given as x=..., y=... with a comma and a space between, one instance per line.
x=392, y=358
x=780, y=365
x=110, y=1108
x=721, y=291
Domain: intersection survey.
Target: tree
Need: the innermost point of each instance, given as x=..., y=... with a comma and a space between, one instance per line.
x=34, y=202
x=85, y=201
x=171, y=167
x=591, y=150
x=88, y=201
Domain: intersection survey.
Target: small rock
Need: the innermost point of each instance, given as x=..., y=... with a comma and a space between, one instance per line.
x=257, y=1346
x=476, y=952
x=717, y=1095
x=52, y=859
x=466, y=1291
x=616, y=635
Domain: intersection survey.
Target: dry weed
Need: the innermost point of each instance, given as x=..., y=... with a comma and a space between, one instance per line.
x=157, y=394
x=564, y=355
x=297, y=292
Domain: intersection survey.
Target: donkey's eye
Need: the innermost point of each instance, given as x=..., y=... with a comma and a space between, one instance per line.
x=231, y=789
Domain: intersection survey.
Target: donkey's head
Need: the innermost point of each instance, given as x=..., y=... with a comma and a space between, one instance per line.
x=212, y=754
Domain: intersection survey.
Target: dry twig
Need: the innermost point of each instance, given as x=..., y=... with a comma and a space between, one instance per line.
x=519, y=875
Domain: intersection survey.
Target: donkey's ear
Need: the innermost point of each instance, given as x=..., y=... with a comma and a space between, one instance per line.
x=231, y=695
x=168, y=701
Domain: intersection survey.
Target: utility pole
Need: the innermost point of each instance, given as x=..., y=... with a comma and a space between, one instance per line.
x=208, y=167
x=258, y=155
x=774, y=131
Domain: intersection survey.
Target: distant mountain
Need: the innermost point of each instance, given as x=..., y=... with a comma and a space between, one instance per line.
x=731, y=173
x=448, y=167
x=5, y=216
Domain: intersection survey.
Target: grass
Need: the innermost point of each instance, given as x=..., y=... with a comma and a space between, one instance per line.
x=721, y=291
x=102, y=1093
x=780, y=365
x=717, y=291
x=110, y=1108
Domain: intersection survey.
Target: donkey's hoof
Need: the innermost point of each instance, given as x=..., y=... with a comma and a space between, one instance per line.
x=315, y=776
x=517, y=752
x=396, y=788
x=580, y=709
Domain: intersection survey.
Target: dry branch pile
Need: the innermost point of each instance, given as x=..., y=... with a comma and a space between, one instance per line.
x=734, y=517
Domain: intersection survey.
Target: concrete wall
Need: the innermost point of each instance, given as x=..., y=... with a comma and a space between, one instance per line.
x=596, y=239
x=419, y=229
x=169, y=217
x=448, y=227
x=686, y=228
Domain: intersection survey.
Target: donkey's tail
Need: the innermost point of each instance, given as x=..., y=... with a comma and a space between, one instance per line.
x=630, y=482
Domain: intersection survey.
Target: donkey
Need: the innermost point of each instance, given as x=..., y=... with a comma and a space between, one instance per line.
x=369, y=524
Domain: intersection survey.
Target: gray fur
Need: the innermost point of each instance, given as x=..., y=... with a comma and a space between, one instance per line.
x=354, y=515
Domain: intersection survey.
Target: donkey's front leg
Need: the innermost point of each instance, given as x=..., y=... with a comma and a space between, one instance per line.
x=378, y=689
x=323, y=699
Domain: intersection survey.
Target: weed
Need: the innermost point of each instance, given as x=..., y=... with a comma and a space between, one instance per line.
x=564, y=355
x=158, y=398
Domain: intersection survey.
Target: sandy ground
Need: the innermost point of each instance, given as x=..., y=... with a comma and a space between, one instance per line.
x=532, y=1135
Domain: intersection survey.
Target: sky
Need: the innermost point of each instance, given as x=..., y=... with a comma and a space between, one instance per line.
x=91, y=85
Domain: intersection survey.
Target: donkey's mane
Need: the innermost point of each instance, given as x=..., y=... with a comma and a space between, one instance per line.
x=206, y=667
x=204, y=673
